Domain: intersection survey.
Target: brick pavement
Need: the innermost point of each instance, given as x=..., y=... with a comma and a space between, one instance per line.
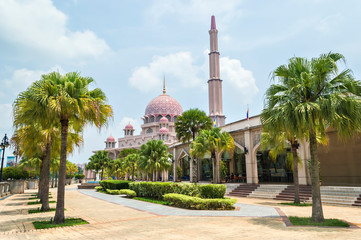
x=114, y=221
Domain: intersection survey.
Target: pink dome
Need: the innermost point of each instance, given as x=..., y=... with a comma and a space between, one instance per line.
x=110, y=139
x=163, y=120
x=163, y=130
x=164, y=105
x=129, y=126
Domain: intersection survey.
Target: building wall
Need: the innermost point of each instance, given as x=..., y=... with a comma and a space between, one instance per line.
x=340, y=161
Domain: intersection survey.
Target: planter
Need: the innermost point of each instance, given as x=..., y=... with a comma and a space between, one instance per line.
x=32, y=184
x=17, y=186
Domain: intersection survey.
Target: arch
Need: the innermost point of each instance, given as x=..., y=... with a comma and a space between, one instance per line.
x=146, y=120
x=169, y=118
x=175, y=118
x=151, y=119
x=149, y=131
x=159, y=117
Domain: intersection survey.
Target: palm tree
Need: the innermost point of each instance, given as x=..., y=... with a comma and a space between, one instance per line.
x=215, y=143
x=99, y=161
x=154, y=157
x=311, y=96
x=70, y=103
x=54, y=167
x=131, y=162
x=187, y=127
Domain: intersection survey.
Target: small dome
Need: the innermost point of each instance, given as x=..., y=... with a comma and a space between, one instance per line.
x=163, y=130
x=110, y=139
x=163, y=120
x=129, y=126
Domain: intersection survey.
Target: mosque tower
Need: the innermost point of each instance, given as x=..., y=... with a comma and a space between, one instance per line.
x=215, y=82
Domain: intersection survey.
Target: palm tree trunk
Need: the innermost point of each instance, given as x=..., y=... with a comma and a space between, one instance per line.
x=317, y=212
x=56, y=179
x=41, y=179
x=218, y=172
x=101, y=175
x=295, y=172
x=59, y=213
x=133, y=174
x=52, y=180
x=45, y=174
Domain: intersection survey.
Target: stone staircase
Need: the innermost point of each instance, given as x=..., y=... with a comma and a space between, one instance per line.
x=267, y=191
x=340, y=195
x=288, y=194
x=243, y=190
x=350, y=196
x=357, y=202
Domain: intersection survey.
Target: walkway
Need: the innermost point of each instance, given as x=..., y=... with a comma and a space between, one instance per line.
x=110, y=220
x=245, y=210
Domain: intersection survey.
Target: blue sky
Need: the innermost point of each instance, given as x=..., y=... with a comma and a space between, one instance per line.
x=128, y=46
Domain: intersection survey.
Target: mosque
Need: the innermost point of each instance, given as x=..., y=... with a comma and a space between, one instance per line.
x=339, y=160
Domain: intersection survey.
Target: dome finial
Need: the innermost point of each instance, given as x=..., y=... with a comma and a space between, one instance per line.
x=163, y=84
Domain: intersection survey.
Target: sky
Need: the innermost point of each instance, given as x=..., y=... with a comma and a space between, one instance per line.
x=128, y=46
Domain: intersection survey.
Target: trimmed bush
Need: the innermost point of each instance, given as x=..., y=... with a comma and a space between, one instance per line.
x=112, y=192
x=212, y=190
x=98, y=188
x=156, y=190
x=128, y=192
x=15, y=173
x=184, y=201
x=114, y=184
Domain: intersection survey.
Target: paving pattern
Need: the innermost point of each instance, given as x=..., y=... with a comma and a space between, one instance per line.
x=245, y=210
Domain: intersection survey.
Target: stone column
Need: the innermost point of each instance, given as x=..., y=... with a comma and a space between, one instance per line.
x=303, y=173
x=251, y=159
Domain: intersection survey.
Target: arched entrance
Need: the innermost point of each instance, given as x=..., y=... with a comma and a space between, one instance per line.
x=278, y=170
x=238, y=166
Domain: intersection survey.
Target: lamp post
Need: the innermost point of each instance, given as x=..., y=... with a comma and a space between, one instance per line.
x=4, y=144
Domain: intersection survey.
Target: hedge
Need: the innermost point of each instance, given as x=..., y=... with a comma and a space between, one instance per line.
x=114, y=184
x=184, y=201
x=98, y=188
x=212, y=190
x=156, y=190
x=129, y=193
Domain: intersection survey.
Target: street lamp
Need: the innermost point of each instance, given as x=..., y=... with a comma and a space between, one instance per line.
x=4, y=144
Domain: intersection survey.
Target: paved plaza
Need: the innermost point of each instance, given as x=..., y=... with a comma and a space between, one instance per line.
x=114, y=217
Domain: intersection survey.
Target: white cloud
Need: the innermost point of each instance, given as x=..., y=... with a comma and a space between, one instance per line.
x=195, y=10
x=237, y=78
x=23, y=78
x=39, y=26
x=177, y=67
x=6, y=117
x=329, y=23
x=124, y=122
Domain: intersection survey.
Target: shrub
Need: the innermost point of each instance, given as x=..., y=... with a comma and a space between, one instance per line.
x=184, y=201
x=112, y=192
x=79, y=176
x=212, y=190
x=99, y=188
x=115, y=184
x=15, y=173
x=128, y=192
x=156, y=190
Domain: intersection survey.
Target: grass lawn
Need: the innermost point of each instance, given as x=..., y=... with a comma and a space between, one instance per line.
x=32, y=198
x=39, y=211
x=306, y=221
x=153, y=201
x=297, y=204
x=38, y=202
x=68, y=222
x=37, y=194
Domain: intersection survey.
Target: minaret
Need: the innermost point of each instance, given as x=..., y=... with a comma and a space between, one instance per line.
x=215, y=82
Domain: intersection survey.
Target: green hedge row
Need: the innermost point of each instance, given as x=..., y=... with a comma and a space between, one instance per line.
x=212, y=190
x=184, y=201
x=128, y=192
x=156, y=190
x=114, y=184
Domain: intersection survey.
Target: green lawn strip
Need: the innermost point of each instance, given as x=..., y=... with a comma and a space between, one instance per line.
x=38, y=202
x=297, y=204
x=32, y=198
x=68, y=222
x=306, y=221
x=153, y=201
x=39, y=211
x=37, y=194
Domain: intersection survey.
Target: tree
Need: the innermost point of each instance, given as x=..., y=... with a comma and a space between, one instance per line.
x=70, y=103
x=54, y=167
x=215, y=143
x=190, y=123
x=154, y=157
x=130, y=162
x=319, y=97
x=99, y=161
x=71, y=168
x=187, y=127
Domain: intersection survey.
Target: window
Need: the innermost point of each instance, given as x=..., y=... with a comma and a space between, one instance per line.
x=168, y=117
x=149, y=130
x=174, y=118
x=146, y=120
x=159, y=117
x=151, y=118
